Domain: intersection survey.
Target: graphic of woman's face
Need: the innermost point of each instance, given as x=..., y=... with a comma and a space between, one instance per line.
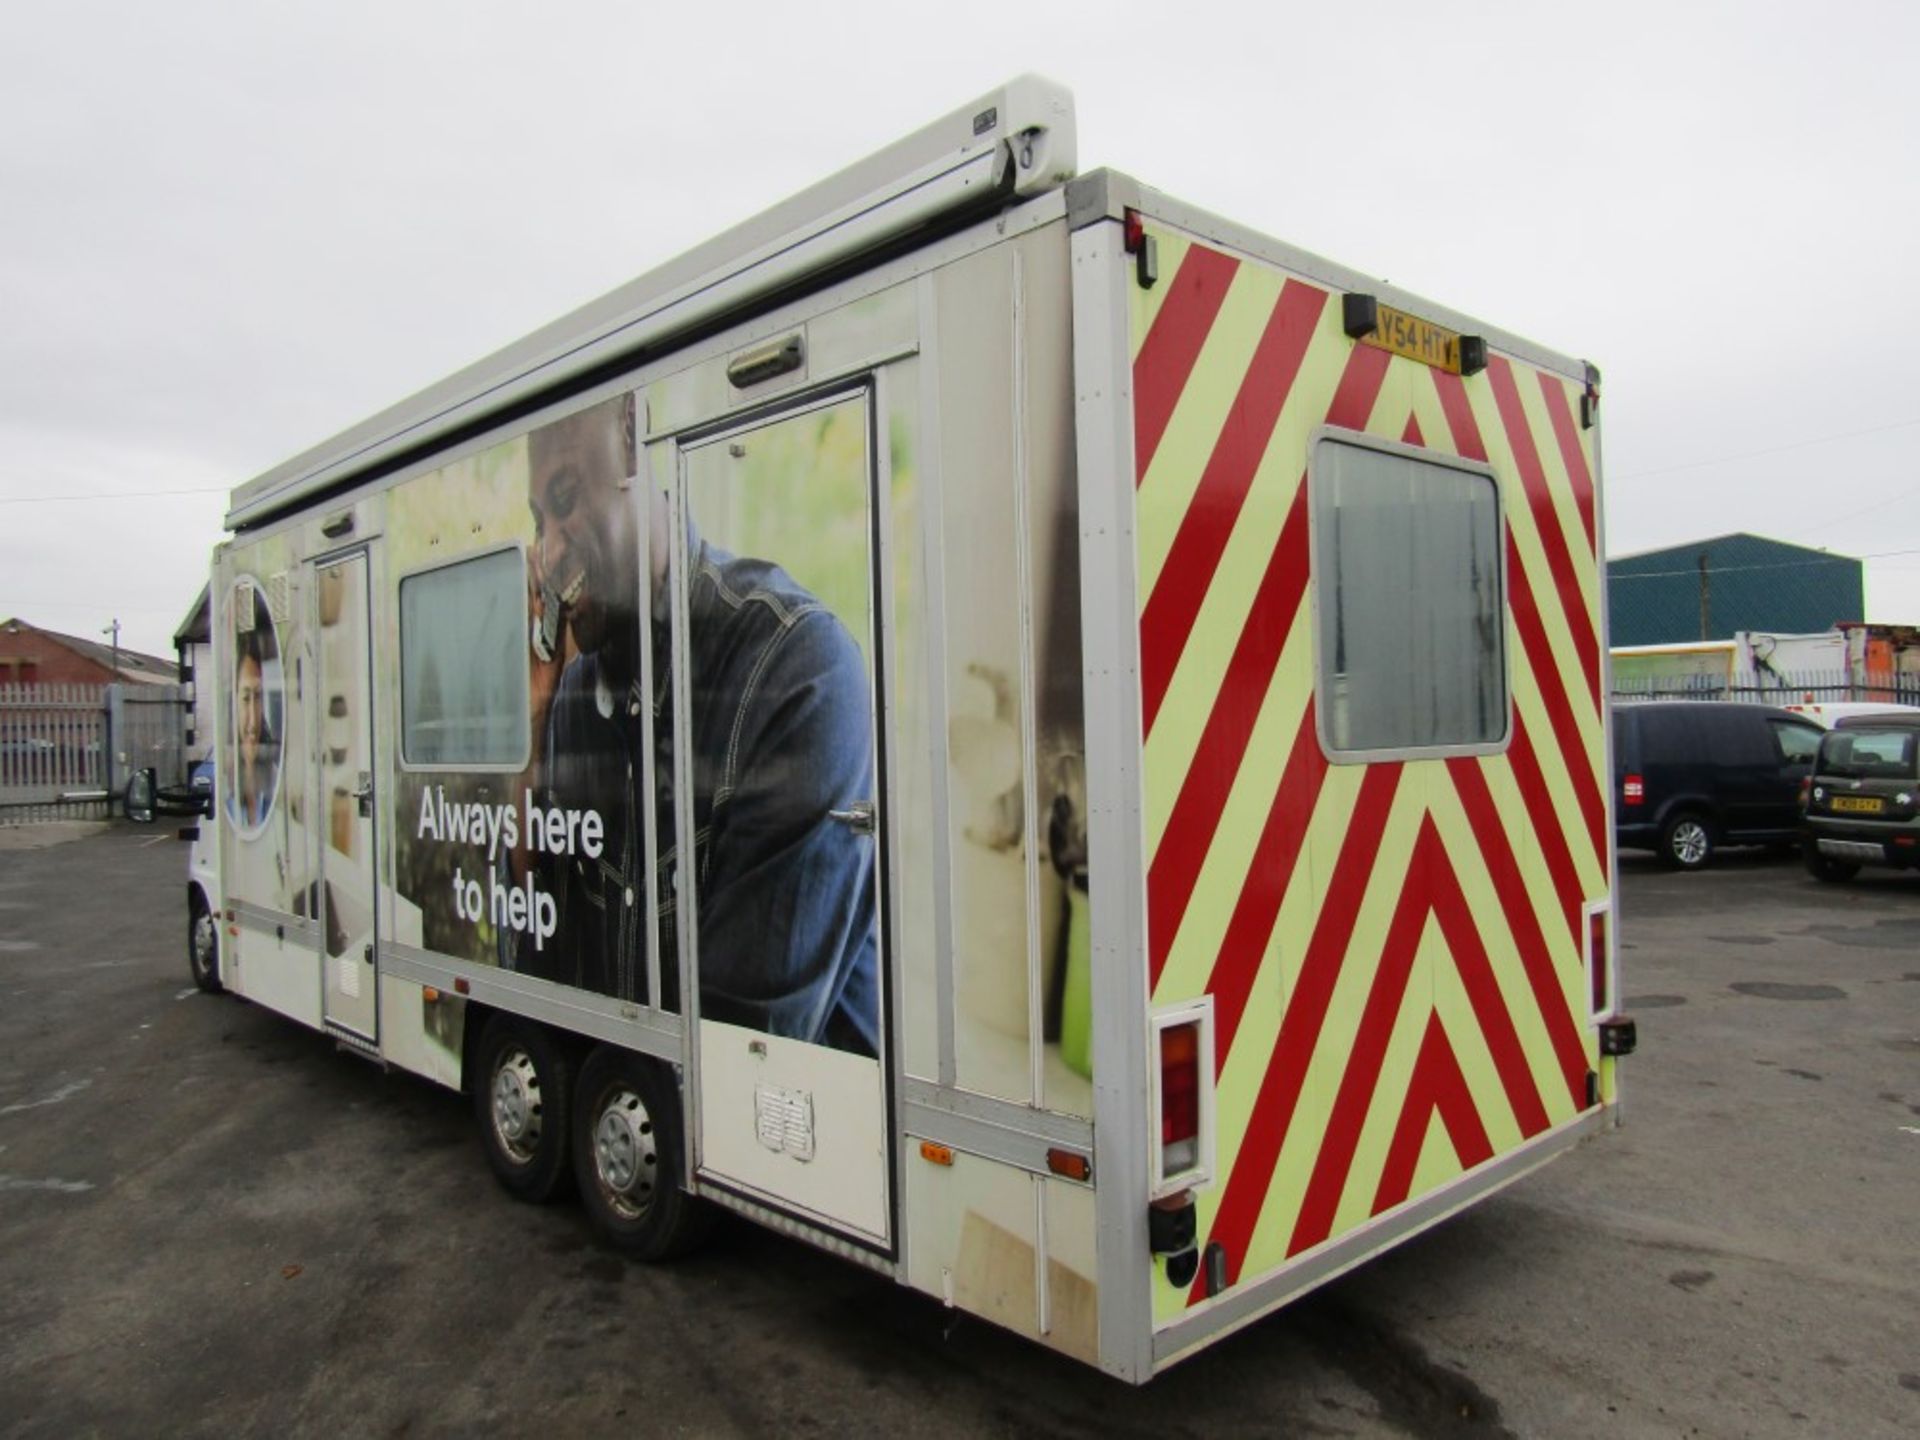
x=252, y=703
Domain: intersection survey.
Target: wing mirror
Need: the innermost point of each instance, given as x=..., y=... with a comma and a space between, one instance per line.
x=138, y=803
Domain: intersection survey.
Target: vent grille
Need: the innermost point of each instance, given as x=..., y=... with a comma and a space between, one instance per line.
x=784, y=1120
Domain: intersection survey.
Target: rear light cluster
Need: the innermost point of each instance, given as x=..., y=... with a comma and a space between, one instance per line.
x=1598, y=970
x=1634, y=791
x=1179, y=1097
x=1182, y=1051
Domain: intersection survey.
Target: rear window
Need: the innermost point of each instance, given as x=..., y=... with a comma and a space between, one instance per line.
x=1412, y=639
x=1868, y=754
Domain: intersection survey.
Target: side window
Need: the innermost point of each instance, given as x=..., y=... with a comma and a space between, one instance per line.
x=1409, y=602
x=1797, y=742
x=463, y=663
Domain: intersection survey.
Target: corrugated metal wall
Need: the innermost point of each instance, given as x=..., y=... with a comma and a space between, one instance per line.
x=1749, y=583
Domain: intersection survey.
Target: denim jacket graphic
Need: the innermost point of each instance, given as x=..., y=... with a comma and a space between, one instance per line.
x=783, y=733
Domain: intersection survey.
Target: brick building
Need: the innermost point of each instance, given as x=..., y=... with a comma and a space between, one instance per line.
x=30, y=655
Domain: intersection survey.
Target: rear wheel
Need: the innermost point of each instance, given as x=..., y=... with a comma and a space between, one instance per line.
x=523, y=1082
x=1686, y=841
x=1825, y=867
x=203, y=944
x=627, y=1157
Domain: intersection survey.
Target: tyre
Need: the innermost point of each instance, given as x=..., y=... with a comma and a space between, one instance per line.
x=523, y=1083
x=1686, y=841
x=1825, y=867
x=627, y=1157
x=203, y=944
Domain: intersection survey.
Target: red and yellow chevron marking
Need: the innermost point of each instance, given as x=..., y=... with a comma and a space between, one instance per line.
x=1393, y=949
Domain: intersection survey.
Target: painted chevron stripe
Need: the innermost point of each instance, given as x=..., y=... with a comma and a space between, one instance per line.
x=1470, y=782
x=1551, y=839
x=1581, y=764
x=1553, y=695
x=1173, y=344
x=1274, y=859
x=1553, y=537
x=1202, y=537
x=1392, y=950
x=1286, y=1072
x=1572, y=455
x=1183, y=847
x=1362, y=1073
x=1437, y=1086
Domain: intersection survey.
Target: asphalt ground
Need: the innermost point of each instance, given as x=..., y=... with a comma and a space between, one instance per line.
x=212, y=1222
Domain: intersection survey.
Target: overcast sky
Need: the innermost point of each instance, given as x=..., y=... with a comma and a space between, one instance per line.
x=227, y=232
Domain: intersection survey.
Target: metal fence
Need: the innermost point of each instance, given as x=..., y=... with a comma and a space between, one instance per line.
x=1777, y=687
x=66, y=750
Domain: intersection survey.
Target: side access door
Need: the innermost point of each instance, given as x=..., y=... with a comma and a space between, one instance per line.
x=775, y=666
x=350, y=1002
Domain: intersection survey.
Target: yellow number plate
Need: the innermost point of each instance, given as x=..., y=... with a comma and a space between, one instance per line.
x=1417, y=339
x=1859, y=804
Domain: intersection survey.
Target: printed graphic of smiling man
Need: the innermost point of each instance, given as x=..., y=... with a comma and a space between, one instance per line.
x=782, y=736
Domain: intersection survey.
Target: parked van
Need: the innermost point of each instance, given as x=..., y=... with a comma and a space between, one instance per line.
x=1693, y=775
x=1860, y=804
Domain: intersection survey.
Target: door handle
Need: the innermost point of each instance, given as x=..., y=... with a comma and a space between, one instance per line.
x=857, y=817
x=363, y=794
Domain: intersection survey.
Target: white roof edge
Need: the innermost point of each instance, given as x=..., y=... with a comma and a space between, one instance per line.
x=1018, y=138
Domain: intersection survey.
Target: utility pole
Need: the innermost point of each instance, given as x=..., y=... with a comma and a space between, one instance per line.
x=1706, y=599
x=112, y=681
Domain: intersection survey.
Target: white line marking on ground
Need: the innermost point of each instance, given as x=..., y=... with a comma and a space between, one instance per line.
x=1910, y=1129
x=154, y=841
x=188, y=993
x=59, y=1187
x=65, y=1092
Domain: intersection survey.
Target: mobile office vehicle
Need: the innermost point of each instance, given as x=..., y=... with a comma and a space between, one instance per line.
x=1861, y=798
x=1693, y=775
x=1176, y=660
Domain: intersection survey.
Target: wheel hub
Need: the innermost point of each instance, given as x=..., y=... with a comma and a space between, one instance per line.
x=203, y=942
x=516, y=1104
x=624, y=1155
x=1690, y=841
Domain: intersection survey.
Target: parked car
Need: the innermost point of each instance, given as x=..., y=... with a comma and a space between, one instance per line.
x=1831, y=712
x=1860, y=802
x=1693, y=775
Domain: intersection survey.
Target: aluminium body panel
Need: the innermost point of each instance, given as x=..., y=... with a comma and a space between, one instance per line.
x=987, y=371
x=1393, y=931
x=1015, y=142
x=1110, y=667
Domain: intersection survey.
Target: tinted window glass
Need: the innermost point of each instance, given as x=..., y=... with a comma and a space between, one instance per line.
x=1797, y=742
x=1407, y=566
x=463, y=663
